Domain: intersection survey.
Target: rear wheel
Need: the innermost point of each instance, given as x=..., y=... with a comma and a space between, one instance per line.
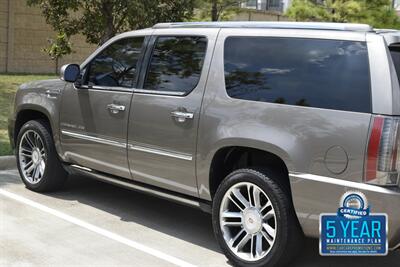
x=37, y=159
x=254, y=221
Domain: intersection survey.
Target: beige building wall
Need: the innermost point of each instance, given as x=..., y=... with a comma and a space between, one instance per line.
x=23, y=35
x=3, y=34
x=258, y=15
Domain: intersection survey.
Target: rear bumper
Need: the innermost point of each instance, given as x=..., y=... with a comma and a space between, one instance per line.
x=314, y=195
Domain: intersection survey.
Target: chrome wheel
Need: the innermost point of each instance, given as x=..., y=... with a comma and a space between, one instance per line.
x=32, y=157
x=248, y=221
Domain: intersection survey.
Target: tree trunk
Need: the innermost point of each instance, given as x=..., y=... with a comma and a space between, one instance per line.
x=57, y=62
x=214, y=10
x=107, y=11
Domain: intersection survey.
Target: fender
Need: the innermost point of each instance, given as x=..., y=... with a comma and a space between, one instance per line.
x=204, y=162
x=43, y=97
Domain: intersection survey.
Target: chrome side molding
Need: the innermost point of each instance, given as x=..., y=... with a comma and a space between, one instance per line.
x=160, y=152
x=341, y=182
x=94, y=139
x=81, y=168
x=156, y=92
x=136, y=147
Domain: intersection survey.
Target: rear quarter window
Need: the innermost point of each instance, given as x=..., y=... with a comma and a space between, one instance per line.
x=328, y=74
x=395, y=52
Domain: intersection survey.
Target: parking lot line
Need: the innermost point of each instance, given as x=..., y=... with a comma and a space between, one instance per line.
x=96, y=229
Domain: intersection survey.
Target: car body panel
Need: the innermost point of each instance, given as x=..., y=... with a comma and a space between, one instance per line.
x=314, y=195
x=41, y=96
x=161, y=150
x=284, y=130
x=91, y=135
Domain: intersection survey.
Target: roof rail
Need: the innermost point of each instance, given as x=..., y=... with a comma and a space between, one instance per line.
x=269, y=25
x=380, y=31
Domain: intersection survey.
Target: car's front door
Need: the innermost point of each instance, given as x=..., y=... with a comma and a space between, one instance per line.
x=165, y=113
x=95, y=110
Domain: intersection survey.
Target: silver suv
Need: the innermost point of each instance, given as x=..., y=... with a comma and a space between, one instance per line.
x=265, y=125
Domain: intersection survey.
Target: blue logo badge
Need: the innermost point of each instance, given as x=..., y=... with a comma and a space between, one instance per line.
x=353, y=230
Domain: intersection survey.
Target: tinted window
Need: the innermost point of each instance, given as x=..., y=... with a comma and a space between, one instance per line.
x=306, y=72
x=395, y=51
x=116, y=65
x=176, y=64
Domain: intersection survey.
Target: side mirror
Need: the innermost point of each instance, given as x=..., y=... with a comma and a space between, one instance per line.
x=70, y=72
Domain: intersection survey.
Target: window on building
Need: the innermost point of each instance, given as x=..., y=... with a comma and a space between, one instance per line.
x=176, y=63
x=305, y=72
x=116, y=65
x=272, y=5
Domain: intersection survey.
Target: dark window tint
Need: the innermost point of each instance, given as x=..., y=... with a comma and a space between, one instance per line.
x=395, y=51
x=116, y=65
x=176, y=64
x=306, y=72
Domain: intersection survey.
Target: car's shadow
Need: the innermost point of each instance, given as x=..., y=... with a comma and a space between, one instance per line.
x=186, y=223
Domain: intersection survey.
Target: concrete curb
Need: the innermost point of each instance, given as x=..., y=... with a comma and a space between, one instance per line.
x=8, y=162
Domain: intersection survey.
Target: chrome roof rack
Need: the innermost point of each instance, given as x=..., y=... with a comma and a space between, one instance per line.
x=383, y=31
x=269, y=25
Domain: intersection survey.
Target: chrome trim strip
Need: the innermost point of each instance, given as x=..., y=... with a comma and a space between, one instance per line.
x=133, y=186
x=94, y=139
x=395, y=247
x=81, y=168
x=160, y=152
x=104, y=88
x=111, y=88
x=155, y=92
x=343, y=183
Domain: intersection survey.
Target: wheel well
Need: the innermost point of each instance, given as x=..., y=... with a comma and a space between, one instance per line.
x=229, y=159
x=25, y=116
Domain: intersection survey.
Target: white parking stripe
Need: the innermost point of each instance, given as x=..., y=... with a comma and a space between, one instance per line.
x=98, y=230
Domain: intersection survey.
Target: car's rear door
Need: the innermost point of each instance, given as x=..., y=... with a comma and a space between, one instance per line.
x=164, y=117
x=95, y=110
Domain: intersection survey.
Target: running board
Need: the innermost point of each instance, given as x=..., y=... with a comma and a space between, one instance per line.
x=150, y=190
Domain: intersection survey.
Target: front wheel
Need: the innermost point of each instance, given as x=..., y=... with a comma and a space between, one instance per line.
x=254, y=221
x=37, y=159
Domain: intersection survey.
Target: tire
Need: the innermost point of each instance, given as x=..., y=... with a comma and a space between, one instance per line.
x=45, y=172
x=280, y=225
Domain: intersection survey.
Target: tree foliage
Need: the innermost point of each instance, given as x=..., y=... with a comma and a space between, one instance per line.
x=99, y=20
x=378, y=13
x=58, y=47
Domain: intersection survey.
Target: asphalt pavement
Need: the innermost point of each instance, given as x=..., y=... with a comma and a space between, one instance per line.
x=90, y=223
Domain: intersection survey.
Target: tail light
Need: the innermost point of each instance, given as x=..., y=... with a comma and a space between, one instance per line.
x=383, y=160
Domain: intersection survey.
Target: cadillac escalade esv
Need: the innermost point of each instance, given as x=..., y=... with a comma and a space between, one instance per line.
x=263, y=124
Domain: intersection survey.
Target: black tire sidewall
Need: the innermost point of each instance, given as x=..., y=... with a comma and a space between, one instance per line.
x=41, y=129
x=280, y=203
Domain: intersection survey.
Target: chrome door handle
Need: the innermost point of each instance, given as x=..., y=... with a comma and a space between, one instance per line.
x=182, y=116
x=115, y=108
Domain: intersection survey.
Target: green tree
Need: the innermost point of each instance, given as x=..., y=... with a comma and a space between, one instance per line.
x=99, y=20
x=378, y=13
x=58, y=47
